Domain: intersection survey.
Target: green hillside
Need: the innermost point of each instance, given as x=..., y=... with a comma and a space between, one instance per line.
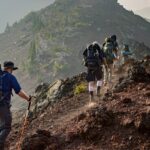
x=48, y=44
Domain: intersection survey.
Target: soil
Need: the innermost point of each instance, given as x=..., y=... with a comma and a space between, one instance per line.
x=119, y=120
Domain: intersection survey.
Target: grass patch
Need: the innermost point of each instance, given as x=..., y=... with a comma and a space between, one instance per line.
x=81, y=88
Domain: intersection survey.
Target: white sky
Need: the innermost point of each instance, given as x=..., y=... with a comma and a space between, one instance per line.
x=135, y=4
x=14, y=10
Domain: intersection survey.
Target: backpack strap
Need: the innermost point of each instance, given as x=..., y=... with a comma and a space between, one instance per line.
x=1, y=84
x=2, y=74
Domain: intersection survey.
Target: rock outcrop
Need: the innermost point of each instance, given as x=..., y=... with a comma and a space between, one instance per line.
x=137, y=72
x=48, y=94
x=64, y=121
x=40, y=141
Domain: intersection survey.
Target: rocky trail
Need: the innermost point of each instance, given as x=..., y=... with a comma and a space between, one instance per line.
x=61, y=120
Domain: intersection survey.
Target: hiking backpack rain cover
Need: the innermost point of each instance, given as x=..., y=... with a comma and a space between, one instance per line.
x=92, y=60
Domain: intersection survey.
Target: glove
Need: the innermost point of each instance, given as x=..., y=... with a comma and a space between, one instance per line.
x=30, y=98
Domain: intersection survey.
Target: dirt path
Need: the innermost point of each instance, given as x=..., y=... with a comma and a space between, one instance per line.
x=63, y=120
x=63, y=112
x=73, y=113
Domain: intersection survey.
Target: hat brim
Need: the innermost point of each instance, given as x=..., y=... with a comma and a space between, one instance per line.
x=15, y=68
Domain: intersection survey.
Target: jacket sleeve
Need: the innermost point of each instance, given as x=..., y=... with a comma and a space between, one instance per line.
x=15, y=84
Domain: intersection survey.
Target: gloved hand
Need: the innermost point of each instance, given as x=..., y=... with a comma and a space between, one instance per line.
x=30, y=98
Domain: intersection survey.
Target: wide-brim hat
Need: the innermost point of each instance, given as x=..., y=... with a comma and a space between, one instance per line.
x=9, y=64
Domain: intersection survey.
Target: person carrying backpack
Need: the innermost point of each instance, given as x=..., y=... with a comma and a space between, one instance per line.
x=108, y=49
x=8, y=82
x=115, y=45
x=126, y=53
x=94, y=58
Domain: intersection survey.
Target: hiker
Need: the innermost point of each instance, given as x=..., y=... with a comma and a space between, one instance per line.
x=126, y=53
x=108, y=49
x=113, y=39
x=94, y=58
x=115, y=45
x=115, y=51
x=8, y=82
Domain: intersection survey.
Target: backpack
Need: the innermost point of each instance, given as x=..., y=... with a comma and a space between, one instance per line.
x=2, y=95
x=1, y=82
x=92, y=58
x=108, y=50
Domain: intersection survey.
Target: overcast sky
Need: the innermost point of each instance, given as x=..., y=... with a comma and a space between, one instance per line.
x=14, y=10
x=135, y=4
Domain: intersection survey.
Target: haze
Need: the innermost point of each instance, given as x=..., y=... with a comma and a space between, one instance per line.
x=13, y=10
x=135, y=4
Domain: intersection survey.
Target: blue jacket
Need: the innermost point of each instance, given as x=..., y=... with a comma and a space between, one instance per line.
x=9, y=83
x=126, y=53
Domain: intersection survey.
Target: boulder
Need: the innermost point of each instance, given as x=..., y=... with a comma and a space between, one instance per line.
x=53, y=90
x=142, y=122
x=138, y=73
x=48, y=94
x=41, y=140
x=89, y=125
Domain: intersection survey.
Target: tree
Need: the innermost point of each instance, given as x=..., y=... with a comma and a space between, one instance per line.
x=7, y=29
x=32, y=58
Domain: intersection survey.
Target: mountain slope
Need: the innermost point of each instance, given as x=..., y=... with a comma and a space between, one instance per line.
x=63, y=120
x=48, y=44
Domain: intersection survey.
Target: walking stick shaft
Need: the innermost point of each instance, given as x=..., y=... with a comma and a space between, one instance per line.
x=25, y=124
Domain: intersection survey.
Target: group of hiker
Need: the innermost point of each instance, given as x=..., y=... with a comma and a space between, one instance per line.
x=100, y=63
x=98, y=60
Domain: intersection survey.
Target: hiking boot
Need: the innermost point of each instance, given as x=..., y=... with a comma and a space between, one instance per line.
x=98, y=91
x=91, y=96
x=105, y=83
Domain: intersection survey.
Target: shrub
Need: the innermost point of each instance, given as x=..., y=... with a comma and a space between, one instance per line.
x=81, y=88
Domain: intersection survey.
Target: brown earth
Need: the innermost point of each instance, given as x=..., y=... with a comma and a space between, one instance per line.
x=119, y=120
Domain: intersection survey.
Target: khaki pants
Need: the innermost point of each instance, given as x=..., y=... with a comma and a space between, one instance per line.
x=108, y=73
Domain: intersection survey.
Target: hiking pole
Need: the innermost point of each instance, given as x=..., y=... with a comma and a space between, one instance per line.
x=25, y=124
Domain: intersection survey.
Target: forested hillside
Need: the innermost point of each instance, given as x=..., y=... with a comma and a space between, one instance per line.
x=48, y=44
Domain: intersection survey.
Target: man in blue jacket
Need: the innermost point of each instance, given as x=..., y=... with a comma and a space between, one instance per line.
x=8, y=82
